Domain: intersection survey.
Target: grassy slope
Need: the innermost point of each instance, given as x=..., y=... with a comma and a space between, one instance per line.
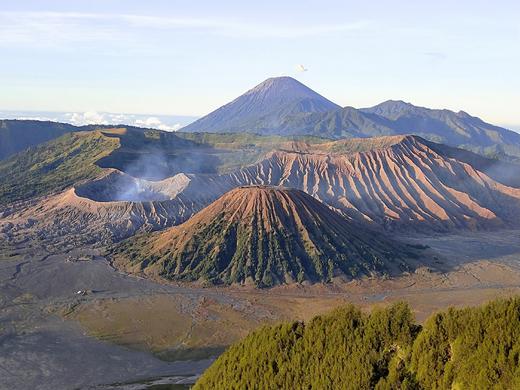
x=241, y=140
x=236, y=150
x=473, y=348
x=53, y=166
x=60, y=163
x=17, y=135
x=57, y=164
x=265, y=236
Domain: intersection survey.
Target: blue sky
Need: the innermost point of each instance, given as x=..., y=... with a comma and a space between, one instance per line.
x=189, y=57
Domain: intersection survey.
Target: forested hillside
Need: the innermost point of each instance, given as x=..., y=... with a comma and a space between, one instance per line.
x=472, y=348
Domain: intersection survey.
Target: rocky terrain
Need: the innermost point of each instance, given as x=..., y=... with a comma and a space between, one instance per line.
x=404, y=184
x=265, y=236
x=391, y=183
x=88, y=189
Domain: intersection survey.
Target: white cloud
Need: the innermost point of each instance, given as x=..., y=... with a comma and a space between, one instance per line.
x=161, y=122
x=107, y=118
x=175, y=127
x=149, y=122
x=87, y=118
x=243, y=29
x=50, y=29
x=156, y=123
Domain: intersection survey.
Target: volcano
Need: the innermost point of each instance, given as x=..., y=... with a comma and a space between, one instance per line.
x=284, y=106
x=264, y=236
x=399, y=183
x=263, y=108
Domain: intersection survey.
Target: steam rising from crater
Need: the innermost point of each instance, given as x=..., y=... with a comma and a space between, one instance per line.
x=118, y=186
x=402, y=184
x=149, y=174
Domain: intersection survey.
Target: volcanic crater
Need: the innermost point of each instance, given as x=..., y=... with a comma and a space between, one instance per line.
x=390, y=183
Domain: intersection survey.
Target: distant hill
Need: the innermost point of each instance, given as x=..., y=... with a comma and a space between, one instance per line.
x=448, y=127
x=54, y=166
x=264, y=108
x=471, y=348
x=457, y=129
x=17, y=135
x=265, y=236
x=284, y=106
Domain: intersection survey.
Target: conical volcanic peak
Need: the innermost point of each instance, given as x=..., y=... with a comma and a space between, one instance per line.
x=285, y=88
x=264, y=108
x=264, y=236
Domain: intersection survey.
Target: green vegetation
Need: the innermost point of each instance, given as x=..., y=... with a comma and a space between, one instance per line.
x=472, y=348
x=53, y=166
x=241, y=140
x=17, y=135
x=237, y=150
x=75, y=156
x=153, y=154
x=265, y=236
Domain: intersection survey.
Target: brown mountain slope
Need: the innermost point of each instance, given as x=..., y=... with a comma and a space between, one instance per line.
x=392, y=182
x=265, y=236
x=84, y=220
x=405, y=185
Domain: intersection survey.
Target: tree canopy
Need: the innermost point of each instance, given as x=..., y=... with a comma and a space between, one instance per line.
x=471, y=348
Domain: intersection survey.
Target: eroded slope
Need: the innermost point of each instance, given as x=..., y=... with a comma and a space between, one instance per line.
x=400, y=182
x=264, y=236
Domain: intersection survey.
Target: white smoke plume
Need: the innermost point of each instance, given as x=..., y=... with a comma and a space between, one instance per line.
x=301, y=68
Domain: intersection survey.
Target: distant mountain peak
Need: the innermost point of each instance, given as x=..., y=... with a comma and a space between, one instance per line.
x=282, y=83
x=278, y=80
x=264, y=107
x=395, y=103
x=283, y=88
x=285, y=106
x=391, y=106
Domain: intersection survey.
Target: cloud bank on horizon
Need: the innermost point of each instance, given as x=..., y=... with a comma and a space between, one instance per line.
x=160, y=122
x=134, y=56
